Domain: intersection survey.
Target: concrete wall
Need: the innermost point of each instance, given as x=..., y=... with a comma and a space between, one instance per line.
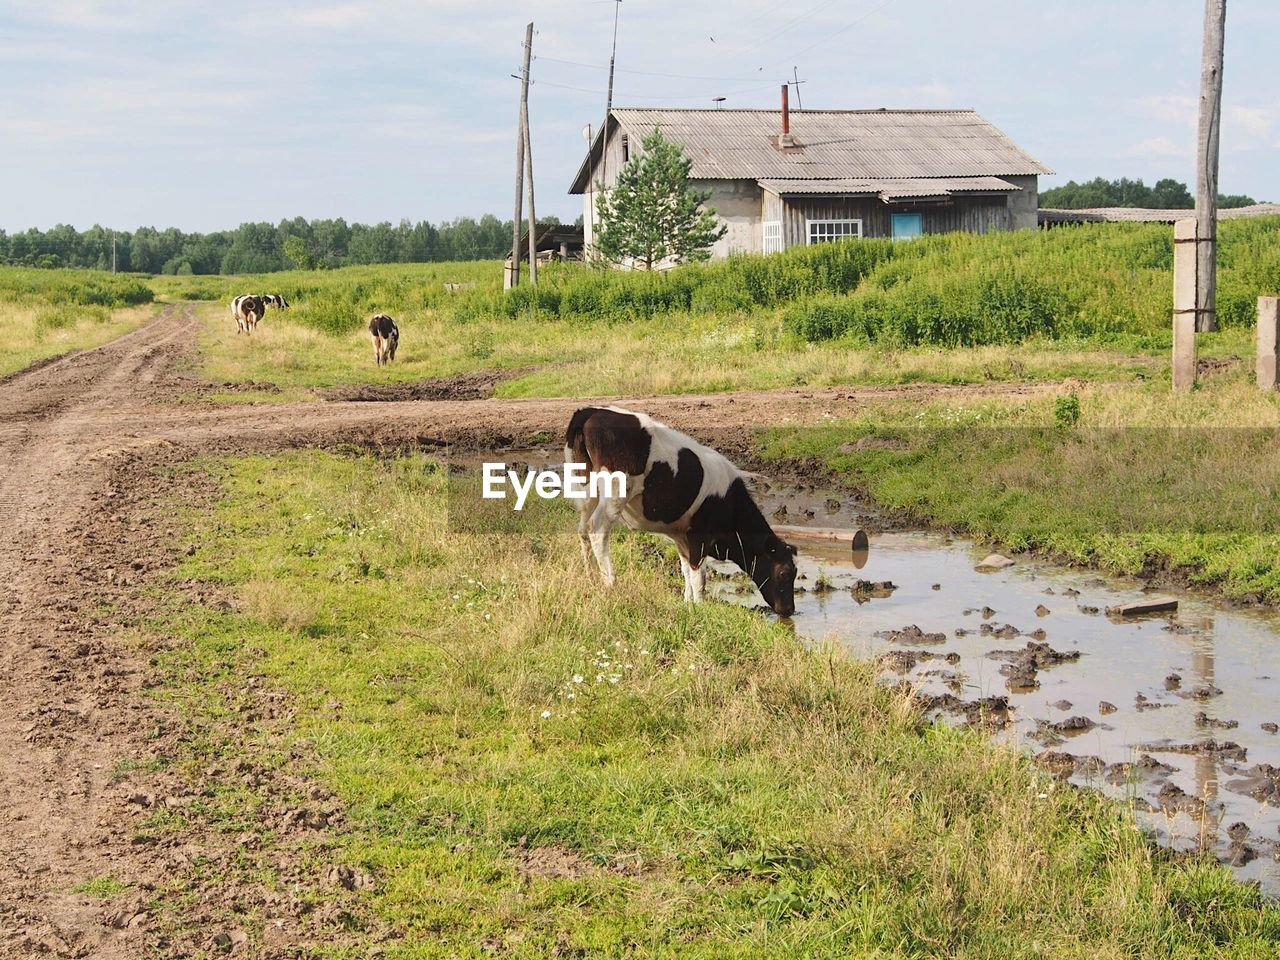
x=737, y=206
x=1023, y=206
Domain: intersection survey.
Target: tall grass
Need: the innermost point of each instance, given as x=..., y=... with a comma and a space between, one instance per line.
x=44, y=313
x=339, y=302
x=1103, y=283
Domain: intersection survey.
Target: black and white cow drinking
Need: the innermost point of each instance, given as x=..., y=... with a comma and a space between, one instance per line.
x=385, y=336
x=248, y=311
x=679, y=488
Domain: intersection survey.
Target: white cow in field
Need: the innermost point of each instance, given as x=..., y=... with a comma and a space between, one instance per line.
x=679, y=488
x=385, y=336
x=248, y=311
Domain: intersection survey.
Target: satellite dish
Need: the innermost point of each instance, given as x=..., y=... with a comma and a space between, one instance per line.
x=586, y=133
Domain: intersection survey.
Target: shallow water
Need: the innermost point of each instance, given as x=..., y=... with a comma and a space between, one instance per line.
x=1206, y=646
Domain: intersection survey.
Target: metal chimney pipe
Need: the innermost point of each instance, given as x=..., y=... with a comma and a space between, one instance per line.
x=786, y=111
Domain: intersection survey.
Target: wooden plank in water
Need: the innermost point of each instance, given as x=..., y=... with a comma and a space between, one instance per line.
x=1144, y=606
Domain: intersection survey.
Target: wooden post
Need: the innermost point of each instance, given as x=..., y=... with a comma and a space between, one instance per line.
x=533, y=217
x=1215, y=17
x=1268, y=342
x=512, y=278
x=1185, y=291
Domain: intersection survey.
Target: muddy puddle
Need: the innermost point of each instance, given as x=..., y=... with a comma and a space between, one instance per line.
x=1173, y=712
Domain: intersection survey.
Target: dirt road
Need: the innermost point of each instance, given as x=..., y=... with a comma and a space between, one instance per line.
x=73, y=708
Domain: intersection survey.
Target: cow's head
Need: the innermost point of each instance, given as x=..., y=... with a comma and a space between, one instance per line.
x=773, y=569
x=395, y=342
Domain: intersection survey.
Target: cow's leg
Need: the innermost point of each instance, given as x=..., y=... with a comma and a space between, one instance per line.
x=603, y=518
x=688, y=578
x=697, y=581
x=585, y=509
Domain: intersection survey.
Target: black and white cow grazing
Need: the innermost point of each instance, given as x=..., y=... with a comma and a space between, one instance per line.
x=274, y=300
x=676, y=487
x=248, y=311
x=386, y=337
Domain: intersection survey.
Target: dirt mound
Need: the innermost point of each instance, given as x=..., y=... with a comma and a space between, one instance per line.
x=472, y=385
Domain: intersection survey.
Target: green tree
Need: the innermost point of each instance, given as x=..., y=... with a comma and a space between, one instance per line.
x=652, y=214
x=296, y=249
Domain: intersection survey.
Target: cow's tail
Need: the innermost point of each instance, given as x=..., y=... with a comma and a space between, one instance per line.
x=575, y=443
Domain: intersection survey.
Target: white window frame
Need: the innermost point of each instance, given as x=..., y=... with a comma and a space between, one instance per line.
x=771, y=237
x=810, y=224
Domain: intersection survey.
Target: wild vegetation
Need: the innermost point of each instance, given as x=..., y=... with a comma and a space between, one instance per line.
x=45, y=313
x=1167, y=194
x=1087, y=302
x=533, y=767
x=1133, y=481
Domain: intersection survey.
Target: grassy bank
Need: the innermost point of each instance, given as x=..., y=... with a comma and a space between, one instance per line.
x=1090, y=303
x=1133, y=481
x=44, y=313
x=533, y=767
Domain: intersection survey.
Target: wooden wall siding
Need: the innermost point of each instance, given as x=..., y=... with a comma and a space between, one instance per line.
x=972, y=214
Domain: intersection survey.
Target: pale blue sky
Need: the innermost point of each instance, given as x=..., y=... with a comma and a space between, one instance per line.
x=205, y=114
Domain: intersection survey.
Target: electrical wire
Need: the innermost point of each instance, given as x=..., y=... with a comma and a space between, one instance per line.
x=650, y=73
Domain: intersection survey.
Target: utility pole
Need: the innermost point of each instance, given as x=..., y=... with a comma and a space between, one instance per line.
x=513, y=275
x=113, y=251
x=1215, y=18
x=528, y=156
x=608, y=101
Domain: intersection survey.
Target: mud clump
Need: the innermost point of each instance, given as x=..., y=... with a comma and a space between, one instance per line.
x=1146, y=767
x=1105, y=707
x=1260, y=782
x=1173, y=799
x=1219, y=749
x=1063, y=765
x=913, y=636
x=1023, y=665
x=1206, y=722
x=1072, y=725
x=472, y=385
x=870, y=589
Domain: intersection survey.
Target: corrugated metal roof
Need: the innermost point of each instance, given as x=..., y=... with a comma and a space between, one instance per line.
x=1142, y=215
x=830, y=144
x=890, y=189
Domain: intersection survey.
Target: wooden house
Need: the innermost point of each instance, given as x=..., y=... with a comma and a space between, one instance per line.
x=778, y=178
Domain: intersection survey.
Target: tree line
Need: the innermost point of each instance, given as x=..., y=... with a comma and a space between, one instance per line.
x=260, y=247
x=1167, y=194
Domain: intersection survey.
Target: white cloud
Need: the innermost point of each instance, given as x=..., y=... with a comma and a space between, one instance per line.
x=1169, y=108
x=1158, y=147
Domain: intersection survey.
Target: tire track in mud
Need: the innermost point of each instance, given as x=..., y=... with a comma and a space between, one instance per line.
x=71, y=703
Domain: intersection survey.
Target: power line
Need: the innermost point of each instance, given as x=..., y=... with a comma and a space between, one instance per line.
x=650, y=73
x=785, y=27
x=847, y=27
x=596, y=91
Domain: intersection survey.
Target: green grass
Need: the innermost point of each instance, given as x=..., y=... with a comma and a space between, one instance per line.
x=1132, y=481
x=693, y=782
x=45, y=313
x=104, y=887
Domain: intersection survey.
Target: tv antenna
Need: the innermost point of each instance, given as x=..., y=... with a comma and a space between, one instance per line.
x=795, y=82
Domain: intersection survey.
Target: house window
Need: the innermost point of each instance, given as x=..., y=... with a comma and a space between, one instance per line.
x=823, y=231
x=773, y=236
x=906, y=226
x=626, y=148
